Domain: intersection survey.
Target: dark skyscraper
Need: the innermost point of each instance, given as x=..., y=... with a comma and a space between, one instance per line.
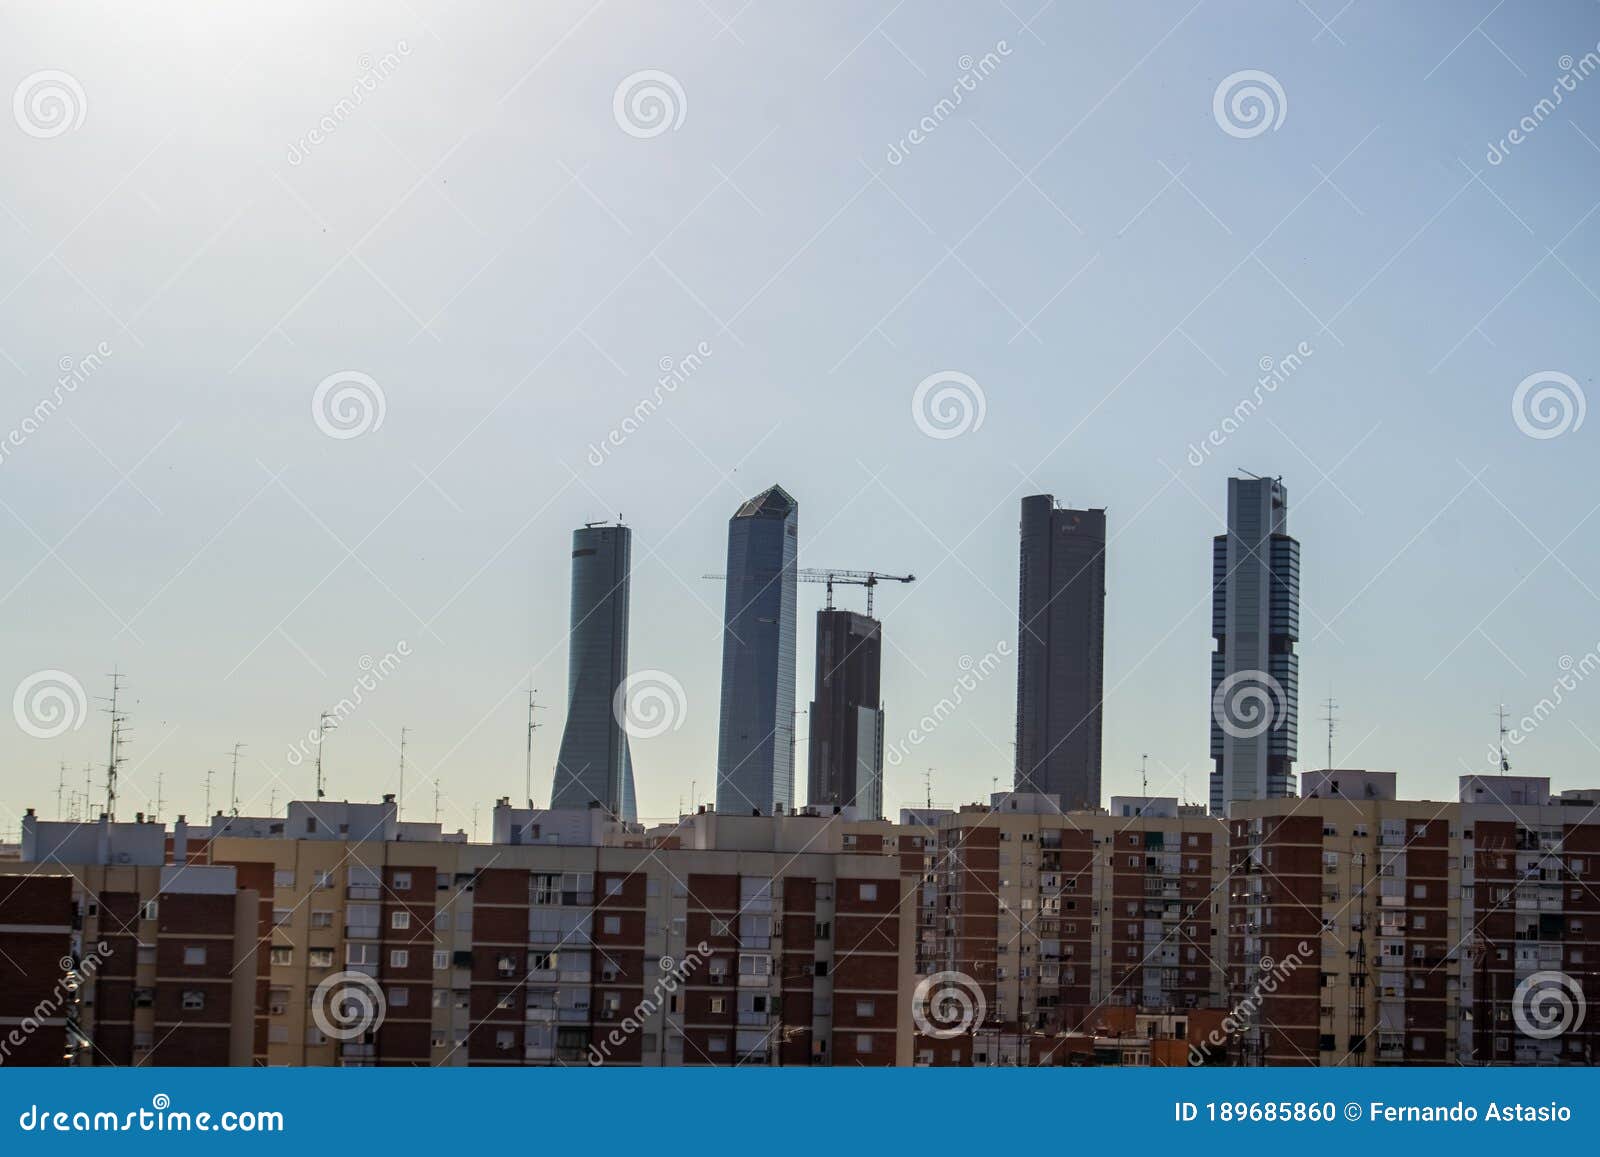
x=1061, y=651
x=845, y=755
x=593, y=765
x=755, y=748
x=1255, y=673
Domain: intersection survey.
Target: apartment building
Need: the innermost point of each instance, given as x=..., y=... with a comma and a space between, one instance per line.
x=1369, y=930
x=722, y=941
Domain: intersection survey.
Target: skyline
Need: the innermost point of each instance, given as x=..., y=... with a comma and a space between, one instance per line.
x=182, y=516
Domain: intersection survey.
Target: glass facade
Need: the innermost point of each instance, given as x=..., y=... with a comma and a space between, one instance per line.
x=594, y=764
x=755, y=745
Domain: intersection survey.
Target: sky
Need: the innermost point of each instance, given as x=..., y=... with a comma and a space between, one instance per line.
x=358, y=308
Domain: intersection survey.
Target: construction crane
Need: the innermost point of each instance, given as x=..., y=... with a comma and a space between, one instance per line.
x=830, y=575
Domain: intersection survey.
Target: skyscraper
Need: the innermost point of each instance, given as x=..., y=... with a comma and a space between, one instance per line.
x=755, y=747
x=1061, y=641
x=845, y=756
x=1255, y=618
x=594, y=765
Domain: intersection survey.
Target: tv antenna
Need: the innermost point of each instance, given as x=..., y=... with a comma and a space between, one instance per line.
x=400, y=796
x=233, y=806
x=1330, y=707
x=533, y=725
x=119, y=721
x=325, y=724
x=1505, y=764
x=209, y=774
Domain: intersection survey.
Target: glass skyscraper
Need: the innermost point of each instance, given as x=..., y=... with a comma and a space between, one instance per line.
x=594, y=765
x=1061, y=642
x=755, y=746
x=1255, y=673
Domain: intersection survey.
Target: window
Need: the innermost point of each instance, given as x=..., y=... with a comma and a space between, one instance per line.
x=322, y=919
x=278, y=1001
x=193, y=1000
x=150, y=909
x=402, y=881
x=869, y=892
x=283, y=878
x=612, y=925
x=283, y=956
x=399, y=920
x=399, y=997
x=613, y=885
x=146, y=954
x=281, y=916
x=864, y=1042
x=320, y=957
x=278, y=1034
x=822, y=968
x=399, y=958
x=719, y=1004
x=824, y=929
x=866, y=1008
x=441, y=960
x=194, y=954
x=505, y=1040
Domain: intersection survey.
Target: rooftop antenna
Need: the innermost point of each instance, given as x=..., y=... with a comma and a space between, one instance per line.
x=475, y=808
x=436, y=799
x=209, y=774
x=114, y=760
x=325, y=724
x=61, y=787
x=1333, y=722
x=927, y=782
x=527, y=771
x=88, y=791
x=1505, y=764
x=233, y=806
x=400, y=797
x=161, y=777
x=272, y=806
x=1144, y=775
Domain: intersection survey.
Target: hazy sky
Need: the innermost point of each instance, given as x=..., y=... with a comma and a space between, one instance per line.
x=508, y=249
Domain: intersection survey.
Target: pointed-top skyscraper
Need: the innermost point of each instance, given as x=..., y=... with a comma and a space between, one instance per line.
x=755, y=747
x=594, y=765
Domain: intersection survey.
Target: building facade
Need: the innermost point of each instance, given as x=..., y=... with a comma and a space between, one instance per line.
x=594, y=764
x=845, y=755
x=755, y=743
x=1061, y=605
x=1255, y=673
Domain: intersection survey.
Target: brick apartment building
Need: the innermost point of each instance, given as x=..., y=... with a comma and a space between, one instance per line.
x=1345, y=927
